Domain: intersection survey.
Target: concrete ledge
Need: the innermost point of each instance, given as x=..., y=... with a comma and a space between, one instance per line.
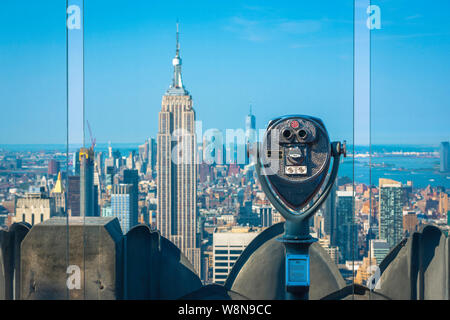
x=10, y=242
x=91, y=247
x=419, y=269
x=155, y=268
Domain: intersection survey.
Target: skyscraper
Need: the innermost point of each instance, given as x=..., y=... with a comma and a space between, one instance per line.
x=177, y=176
x=131, y=177
x=76, y=163
x=53, y=167
x=445, y=157
x=110, y=151
x=344, y=225
x=250, y=133
x=121, y=199
x=87, y=182
x=152, y=152
x=99, y=161
x=109, y=177
x=390, y=211
x=329, y=215
x=130, y=160
x=73, y=196
x=58, y=194
x=143, y=152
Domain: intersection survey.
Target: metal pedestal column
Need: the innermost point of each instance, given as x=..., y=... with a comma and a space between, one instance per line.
x=297, y=241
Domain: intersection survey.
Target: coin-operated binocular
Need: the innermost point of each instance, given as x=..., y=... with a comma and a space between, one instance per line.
x=292, y=164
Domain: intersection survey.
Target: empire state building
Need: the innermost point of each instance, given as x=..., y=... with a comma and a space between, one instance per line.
x=176, y=167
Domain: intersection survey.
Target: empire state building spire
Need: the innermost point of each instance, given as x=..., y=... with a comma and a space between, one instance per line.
x=177, y=82
x=177, y=87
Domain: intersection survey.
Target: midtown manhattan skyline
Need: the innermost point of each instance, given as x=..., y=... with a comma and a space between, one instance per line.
x=130, y=170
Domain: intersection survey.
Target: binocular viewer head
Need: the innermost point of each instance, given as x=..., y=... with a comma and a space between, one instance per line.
x=295, y=158
x=292, y=164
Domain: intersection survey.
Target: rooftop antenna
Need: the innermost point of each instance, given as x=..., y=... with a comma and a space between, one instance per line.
x=178, y=40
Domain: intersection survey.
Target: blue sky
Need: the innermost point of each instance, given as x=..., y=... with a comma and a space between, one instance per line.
x=283, y=57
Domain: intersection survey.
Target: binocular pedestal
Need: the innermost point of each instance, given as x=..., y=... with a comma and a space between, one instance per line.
x=297, y=241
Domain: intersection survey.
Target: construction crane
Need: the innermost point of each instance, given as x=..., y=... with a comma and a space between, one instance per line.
x=90, y=133
x=96, y=168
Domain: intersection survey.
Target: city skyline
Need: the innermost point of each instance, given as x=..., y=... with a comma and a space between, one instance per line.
x=158, y=188
x=219, y=50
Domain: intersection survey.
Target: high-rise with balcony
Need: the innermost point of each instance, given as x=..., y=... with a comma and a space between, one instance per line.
x=176, y=167
x=390, y=211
